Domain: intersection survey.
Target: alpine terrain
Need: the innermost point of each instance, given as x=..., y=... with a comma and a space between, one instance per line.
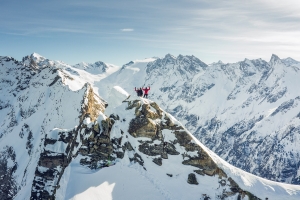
x=246, y=112
x=80, y=132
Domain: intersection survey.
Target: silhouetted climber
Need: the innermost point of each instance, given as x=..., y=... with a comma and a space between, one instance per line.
x=139, y=91
x=146, y=91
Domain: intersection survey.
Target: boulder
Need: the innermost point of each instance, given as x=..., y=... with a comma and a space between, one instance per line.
x=192, y=179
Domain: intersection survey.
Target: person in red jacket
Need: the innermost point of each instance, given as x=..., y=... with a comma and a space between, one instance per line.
x=146, y=92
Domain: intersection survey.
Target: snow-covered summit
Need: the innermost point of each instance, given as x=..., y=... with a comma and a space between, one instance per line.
x=274, y=59
x=290, y=61
x=97, y=67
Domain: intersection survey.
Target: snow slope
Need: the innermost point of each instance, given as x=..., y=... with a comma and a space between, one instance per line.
x=129, y=180
x=58, y=142
x=246, y=112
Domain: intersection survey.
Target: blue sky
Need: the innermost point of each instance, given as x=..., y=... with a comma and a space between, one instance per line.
x=120, y=31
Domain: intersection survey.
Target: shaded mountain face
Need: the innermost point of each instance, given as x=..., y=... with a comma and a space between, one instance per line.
x=246, y=112
x=60, y=140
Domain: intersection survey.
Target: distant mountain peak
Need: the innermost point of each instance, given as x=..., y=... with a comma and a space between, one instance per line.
x=169, y=57
x=36, y=55
x=290, y=61
x=274, y=58
x=98, y=66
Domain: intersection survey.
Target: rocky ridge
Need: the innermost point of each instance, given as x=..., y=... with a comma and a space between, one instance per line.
x=52, y=121
x=102, y=148
x=236, y=109
x=35, y=100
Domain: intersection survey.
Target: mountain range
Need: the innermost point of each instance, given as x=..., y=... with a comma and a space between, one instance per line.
x=80, y=132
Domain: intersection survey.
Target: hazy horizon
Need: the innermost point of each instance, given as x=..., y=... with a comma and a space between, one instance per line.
x=117, y=32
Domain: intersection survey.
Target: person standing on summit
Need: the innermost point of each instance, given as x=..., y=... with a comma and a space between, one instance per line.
x=146, y=92
x=139, y=92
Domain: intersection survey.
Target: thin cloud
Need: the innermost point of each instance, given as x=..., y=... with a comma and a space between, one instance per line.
x=127, y=30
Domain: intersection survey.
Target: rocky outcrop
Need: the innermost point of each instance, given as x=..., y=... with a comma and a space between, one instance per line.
x=159, y=148
x=98, y=148
x=8, y=165
x=52, y=163
x=192, y=179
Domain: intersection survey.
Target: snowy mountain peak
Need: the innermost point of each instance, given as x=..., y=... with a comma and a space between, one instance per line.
x=169, y=59
x=36, y=61
x=37, y=56
x=290, y=61
x=169, y=56
x=128, y=64
x=274, y=59
x=98, y=67
x=56, y=129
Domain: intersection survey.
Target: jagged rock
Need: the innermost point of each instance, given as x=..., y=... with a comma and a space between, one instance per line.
x=157, y=161
x=137, y=158
x=49, y=161
x=115, y=117
x=97, y=128
x=127, y=146
x=168, y=121
x=8, y=184
x=134, y=104
x=164, y=155
x=170, y=149
x=106, y=126
x=200, y=172
x=192, y=179
x=142, y=127
x=120, y=154
x=183, y=138
x=222, y=182
x=148, y=113
x=151, y=150
x=157, y=108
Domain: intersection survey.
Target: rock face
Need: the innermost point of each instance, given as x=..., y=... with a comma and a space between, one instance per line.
x=34, y=99
x=166, y=138
x=8, y=186
x=52, y=163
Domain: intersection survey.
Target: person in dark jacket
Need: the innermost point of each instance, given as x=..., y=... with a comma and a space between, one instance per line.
x=146, y=90
x=139, y=92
